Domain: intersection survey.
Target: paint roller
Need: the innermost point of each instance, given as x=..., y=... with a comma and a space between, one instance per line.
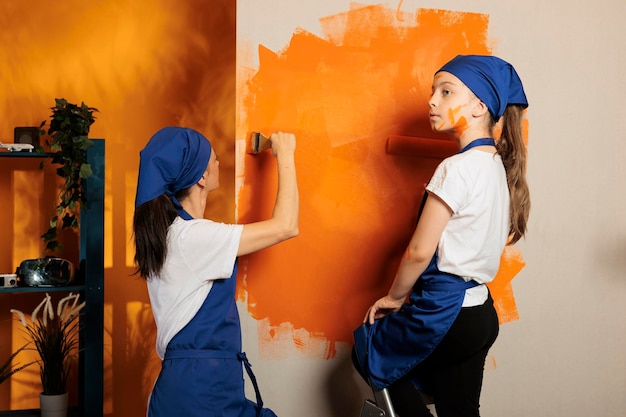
x=258, y=143
x=420, y=147
x=396, y=145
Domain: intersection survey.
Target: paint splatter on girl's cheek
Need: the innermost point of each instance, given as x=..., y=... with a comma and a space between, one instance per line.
x=458, y=124
x=452, y=116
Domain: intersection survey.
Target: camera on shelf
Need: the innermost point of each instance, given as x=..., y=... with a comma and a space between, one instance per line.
x=8, y=280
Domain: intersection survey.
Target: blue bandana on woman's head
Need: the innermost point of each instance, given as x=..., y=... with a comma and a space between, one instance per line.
x=174, y=159
x=493, y=80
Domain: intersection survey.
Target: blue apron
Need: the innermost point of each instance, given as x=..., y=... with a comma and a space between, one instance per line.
x=391, y=347
x=201, y=373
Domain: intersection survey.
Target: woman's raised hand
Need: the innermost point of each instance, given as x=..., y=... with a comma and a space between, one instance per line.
x=283, y=143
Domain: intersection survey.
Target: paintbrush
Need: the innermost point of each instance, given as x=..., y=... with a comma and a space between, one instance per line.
x=259, y=143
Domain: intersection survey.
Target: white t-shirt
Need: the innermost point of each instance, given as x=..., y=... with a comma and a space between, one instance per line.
x=473, y=184
x=199, y=251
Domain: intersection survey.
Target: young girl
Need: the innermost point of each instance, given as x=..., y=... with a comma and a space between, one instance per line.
x=476, y=202
x=190, y=266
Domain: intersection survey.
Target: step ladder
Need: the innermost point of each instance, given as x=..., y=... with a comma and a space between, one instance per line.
x=380, y=407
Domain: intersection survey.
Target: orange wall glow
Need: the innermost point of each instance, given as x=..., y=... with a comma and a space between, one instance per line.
x=343, y=94
x=144, y=64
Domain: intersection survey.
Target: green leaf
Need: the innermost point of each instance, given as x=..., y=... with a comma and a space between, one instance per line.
x=85, y=171
x=68, y=221
x=53, y=245
x=51, y=234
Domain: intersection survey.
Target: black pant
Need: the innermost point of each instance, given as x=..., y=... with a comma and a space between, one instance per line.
x=453, y=373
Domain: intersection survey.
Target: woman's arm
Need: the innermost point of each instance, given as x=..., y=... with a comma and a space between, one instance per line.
x=283, y=224
x=417, y=256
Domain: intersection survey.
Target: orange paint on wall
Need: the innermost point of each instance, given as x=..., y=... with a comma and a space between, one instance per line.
x=511, y=262
x=343, y=95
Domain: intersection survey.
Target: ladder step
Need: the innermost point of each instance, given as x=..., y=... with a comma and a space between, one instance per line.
x=370, y=409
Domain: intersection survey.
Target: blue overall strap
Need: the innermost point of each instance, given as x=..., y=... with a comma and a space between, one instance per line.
x=259, y=401
x=447, y=286
x=479, y=142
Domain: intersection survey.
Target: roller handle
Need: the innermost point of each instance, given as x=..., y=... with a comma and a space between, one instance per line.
x=420, y=147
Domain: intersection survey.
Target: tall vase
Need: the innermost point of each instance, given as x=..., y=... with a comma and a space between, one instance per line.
x=53, y=405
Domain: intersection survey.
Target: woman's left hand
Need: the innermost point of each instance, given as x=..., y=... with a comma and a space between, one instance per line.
x=382, y=307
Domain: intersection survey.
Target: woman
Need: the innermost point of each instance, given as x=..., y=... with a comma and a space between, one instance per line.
x=190, y=266
x=476, y=202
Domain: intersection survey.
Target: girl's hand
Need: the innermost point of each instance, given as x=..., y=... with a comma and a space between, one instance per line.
x=382, y=307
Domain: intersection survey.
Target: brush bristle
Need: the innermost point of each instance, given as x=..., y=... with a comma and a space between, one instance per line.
x=258, y=143
x=254, y=141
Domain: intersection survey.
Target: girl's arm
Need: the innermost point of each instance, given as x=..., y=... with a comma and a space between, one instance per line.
x=417, y=256
x=283, y=224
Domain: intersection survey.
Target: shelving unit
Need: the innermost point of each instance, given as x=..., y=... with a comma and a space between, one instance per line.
x=90, y=284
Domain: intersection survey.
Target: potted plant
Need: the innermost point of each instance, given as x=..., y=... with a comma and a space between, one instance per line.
x=6, y=369
x=53, y=332
x=68, y=142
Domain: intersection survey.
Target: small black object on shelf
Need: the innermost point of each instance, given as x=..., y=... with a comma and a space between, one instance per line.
x=26, y=134
x=45, y=272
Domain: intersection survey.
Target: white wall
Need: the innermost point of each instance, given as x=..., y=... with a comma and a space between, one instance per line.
x=566, y=355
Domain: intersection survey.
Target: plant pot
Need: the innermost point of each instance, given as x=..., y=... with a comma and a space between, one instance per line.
x=53, y=405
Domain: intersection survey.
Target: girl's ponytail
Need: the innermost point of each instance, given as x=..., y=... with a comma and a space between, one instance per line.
x=150, y=226
x=513, y=152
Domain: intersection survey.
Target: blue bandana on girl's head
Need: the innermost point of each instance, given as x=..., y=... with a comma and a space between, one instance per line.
x=493, y=80
x=174, y=159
